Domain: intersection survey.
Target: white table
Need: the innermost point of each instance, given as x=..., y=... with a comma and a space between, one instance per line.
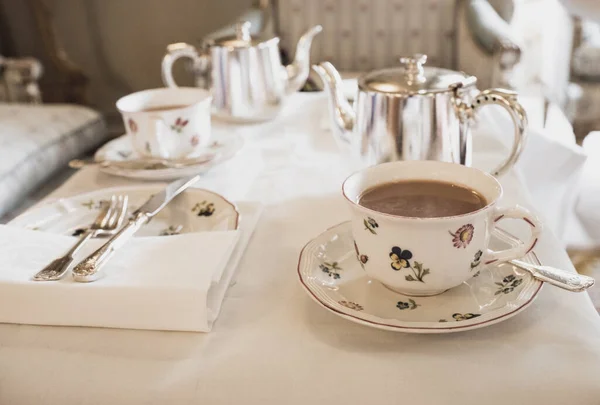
x=273, y=344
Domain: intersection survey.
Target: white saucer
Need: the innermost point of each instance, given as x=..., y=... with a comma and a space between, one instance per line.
x=195, y=210
x=331, y=273
x=121, y=150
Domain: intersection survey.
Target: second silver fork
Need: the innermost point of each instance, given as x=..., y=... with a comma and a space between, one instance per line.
x=108, y=222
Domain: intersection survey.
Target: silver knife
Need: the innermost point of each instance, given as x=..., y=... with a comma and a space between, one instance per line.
x=89, y=269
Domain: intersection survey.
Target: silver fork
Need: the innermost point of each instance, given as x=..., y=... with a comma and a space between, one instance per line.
x=108, y=222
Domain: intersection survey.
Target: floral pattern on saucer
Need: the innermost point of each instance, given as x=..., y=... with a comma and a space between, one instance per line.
x=73, y=215
x=462, y=317
x=508, y=284
x=79, y=231
x=411, y=304
x=351, y=305
x=204, y=209
x=120, y=149
x=94, y=205
x=171, y=230
x=330, y=271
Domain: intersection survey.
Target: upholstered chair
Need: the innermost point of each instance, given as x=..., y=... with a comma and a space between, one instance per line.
x=361, y=35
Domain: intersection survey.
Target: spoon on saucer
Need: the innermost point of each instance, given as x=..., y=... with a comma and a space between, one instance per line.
x=144, y=164
x=560, y=278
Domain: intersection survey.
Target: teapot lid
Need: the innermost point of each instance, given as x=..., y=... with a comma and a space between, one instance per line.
x=241, y=39
x=413, y=78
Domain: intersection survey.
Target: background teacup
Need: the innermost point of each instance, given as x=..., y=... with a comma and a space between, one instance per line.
x=427, y=256
x=167, y=123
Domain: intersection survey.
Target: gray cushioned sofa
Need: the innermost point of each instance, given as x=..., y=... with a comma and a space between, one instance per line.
x=37, y=142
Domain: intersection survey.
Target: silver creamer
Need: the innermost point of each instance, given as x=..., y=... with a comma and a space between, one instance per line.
x=245, y=75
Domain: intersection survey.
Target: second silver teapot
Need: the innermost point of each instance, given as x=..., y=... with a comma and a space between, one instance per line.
x=245, y=75
x=415, y=113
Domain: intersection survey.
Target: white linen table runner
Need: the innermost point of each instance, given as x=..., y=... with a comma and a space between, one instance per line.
x=273, y=345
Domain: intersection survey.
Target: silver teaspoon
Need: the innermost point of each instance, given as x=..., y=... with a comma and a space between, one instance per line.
x=144, y=164
x=560, y=278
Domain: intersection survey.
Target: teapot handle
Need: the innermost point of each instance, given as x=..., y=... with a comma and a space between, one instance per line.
x=174, y=52
x=508, y=100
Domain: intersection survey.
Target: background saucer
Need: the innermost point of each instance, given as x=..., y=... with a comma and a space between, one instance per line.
x=121, y=149
x=188, y=212
x=332, y=275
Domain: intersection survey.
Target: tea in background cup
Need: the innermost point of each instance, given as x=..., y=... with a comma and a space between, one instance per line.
x=424, y=227
x=167, y=123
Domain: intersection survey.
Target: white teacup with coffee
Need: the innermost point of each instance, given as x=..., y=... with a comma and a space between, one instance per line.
x=168, y=123
x=422, y=227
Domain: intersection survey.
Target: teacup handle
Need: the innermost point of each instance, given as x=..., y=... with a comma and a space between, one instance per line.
x=517, y=252
x=508, y=100
x=174, y=52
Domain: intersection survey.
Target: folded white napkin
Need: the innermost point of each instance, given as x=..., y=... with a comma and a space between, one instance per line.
x=160, y=283
x=585, y=232
x=550, y=163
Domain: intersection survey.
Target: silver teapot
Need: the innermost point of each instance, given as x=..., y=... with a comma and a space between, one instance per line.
x=415, y=113
x=246, y=77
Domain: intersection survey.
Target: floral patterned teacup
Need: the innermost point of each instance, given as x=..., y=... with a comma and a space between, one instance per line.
x=167, y=123
x=427, y=256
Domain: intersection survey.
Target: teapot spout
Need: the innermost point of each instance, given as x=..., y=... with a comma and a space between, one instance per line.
x=341, y=112
x=298, y=71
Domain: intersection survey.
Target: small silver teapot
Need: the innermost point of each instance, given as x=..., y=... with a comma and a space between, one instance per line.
x=415, y=113
x=245, y=75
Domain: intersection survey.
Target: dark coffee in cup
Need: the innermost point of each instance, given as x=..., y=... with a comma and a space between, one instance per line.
x=422, y=199
x=159, y=108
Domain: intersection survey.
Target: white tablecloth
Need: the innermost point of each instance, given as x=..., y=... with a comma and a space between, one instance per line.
x=273, y=344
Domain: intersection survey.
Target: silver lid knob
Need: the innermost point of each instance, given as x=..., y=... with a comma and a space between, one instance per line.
x=413, y=68
x=242, y=31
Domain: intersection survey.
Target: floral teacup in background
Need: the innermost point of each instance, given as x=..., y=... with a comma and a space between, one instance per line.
x=167, y=123
x=427, y=256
